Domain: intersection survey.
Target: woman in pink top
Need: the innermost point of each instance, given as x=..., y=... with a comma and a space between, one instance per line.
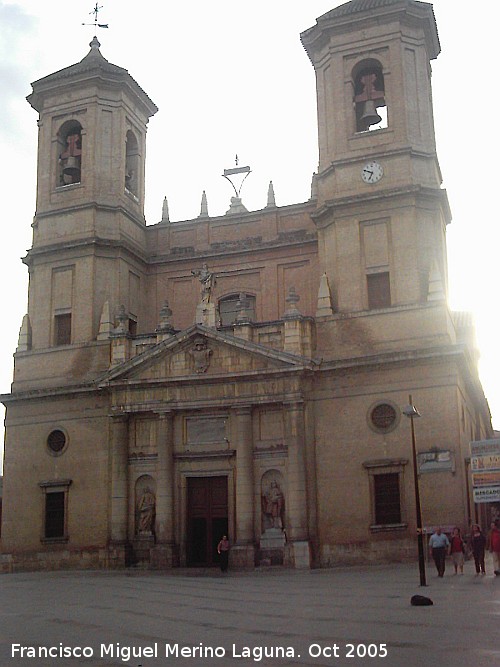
x=457, y=548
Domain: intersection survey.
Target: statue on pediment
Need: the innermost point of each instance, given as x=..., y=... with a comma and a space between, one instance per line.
x=207, y=280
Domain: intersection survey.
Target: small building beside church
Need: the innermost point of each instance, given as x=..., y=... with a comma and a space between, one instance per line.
x=243, y=374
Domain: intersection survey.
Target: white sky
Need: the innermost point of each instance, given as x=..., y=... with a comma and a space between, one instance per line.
x=232, y=77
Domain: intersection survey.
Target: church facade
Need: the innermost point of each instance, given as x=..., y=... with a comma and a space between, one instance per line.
x=243, y=374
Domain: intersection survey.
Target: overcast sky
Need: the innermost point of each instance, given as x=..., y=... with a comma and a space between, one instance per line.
x=232, y=77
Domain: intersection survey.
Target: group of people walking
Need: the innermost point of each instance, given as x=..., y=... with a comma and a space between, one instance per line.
x=440, y=546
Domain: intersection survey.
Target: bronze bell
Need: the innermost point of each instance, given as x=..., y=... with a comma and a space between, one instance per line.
x=72, y=169
x=370, y=115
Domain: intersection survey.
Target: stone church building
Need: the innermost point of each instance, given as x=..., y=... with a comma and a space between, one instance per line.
x=243, y=374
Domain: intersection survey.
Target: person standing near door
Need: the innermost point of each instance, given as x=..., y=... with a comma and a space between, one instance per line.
x=223, y=551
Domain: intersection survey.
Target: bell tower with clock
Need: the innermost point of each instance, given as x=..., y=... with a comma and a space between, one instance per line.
x=381, y=212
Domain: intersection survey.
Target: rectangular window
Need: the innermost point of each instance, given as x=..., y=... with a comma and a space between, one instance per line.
x=387, y=499
x=54, y=514
x=230, y=307
x=62, y=333
x=379, y=290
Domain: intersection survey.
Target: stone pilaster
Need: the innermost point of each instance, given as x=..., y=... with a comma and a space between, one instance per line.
x=297, y=550
x=164, y=553
x=120, y=340
x=243, y=330
x=206, y=315
x=120, y=349
x=119, y=489
x=297, y=329
x=243, y=551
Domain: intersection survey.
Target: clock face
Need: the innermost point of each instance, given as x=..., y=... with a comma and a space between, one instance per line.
x=372, y=172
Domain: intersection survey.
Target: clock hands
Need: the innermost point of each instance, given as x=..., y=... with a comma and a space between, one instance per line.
x=371, y=172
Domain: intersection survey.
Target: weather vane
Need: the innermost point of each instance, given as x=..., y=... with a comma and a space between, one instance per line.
x=96, y=23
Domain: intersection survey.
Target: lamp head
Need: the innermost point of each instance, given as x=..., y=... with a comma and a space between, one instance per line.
x=410, y=411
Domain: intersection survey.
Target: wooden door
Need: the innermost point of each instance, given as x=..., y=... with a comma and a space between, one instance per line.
x=207, y=518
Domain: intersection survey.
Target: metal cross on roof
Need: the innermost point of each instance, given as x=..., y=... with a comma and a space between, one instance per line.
x=96, y=23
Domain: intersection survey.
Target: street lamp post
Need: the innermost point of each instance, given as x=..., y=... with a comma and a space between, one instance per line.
x=411, y=412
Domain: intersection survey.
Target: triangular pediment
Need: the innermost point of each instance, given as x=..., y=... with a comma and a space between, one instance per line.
x=201, y=351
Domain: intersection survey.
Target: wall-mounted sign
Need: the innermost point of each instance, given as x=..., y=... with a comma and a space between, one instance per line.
x=485, y=447
x=435, y=461
x=488, y=478
x=487, y=494
x=490, y=462
x=485, y=466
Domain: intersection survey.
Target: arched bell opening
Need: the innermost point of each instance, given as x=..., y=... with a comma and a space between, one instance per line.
x=369, y=96
x=131, y=163
x=69, y=162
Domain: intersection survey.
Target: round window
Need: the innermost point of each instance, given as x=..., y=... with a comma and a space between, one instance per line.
x=56, y=441
x=383, y=417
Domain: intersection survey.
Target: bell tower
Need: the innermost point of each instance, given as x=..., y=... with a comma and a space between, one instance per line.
x=88, y=230
x=91, y=148
x=381, y=212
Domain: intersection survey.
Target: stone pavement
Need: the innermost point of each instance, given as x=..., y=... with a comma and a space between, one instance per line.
x=299, y=616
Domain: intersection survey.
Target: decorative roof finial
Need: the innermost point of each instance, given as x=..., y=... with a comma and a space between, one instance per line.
x=204, y=206
x=165, y=217
x=165, y=324
x=271, y=199
x=292, y=300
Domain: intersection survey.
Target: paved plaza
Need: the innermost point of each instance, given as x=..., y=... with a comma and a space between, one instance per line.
x=192, y=617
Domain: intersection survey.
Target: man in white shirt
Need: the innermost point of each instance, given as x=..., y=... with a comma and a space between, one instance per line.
x=439, y=545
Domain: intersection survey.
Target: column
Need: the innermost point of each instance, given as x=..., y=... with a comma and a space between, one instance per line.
x=119, y=486
x=163, y=555
x=296, y=499
x=243, y=552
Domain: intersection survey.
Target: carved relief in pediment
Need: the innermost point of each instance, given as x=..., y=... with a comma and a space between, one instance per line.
x=200, y=354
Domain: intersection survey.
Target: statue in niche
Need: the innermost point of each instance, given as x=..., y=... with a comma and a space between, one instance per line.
x=273, y=506
x=146, y=510
x=201, y=355
x=207, y=280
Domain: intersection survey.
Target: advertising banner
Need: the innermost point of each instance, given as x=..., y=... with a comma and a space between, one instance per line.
x=489, y=478
x=491, y=462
